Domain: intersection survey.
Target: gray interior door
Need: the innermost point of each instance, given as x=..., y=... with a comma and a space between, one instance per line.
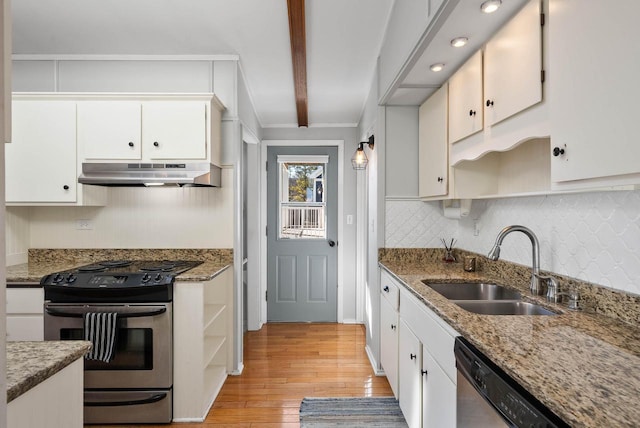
x=302, y=206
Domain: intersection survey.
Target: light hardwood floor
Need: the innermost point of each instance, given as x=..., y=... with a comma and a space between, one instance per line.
x=283, y=363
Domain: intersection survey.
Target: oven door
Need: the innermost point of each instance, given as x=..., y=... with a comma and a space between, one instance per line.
x=143, y=352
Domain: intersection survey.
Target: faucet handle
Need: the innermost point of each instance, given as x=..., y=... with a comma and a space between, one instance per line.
x=574, y=300
x=553, y=290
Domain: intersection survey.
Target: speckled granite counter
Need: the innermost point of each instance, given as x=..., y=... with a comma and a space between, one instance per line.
x=583, y=366
x=45, y=261
x=30, y=363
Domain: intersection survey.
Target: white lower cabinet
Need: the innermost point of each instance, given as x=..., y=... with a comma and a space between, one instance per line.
x=25, y=320
x=389, y=344
x=438, y=395
x=202, y=343
x=421, y=360
x=410, y=374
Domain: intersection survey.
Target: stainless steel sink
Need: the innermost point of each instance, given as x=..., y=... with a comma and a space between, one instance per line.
x=497, y=307
x=474, y=291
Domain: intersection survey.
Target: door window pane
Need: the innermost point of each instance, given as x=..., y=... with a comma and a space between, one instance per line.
x=302, y=213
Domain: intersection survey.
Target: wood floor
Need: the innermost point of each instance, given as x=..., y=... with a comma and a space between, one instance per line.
x=283, y=363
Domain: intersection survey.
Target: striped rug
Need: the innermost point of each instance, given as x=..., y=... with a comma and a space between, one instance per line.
x=351, y=412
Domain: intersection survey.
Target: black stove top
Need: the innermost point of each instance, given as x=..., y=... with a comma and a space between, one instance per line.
x=138, y=266
x=116, y=281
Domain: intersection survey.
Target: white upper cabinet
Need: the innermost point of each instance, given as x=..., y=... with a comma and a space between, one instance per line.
x=174, y=130
x=41, y=160
x=465, y=99
x=513, y=65
x=110, y=129
x=433, y=146
x=594, y=89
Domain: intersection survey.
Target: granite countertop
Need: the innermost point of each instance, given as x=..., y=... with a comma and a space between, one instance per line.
x=585, y=367
x=30, y=363
x=44, y=262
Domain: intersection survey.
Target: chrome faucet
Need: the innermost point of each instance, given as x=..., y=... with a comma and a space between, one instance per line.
x=538, y=282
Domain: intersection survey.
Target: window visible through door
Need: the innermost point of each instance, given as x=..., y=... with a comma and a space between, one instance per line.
x=302, y=203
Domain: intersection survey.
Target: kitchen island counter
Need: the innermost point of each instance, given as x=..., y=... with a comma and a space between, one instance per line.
x=583, y=366
x=31, y=363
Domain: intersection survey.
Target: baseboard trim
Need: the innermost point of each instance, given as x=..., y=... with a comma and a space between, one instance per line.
x=373, y=362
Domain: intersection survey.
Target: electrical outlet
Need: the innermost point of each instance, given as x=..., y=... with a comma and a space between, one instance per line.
x=84, y=224
x=476, y=227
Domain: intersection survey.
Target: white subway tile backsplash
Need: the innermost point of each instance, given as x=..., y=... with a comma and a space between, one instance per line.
x=590, y=236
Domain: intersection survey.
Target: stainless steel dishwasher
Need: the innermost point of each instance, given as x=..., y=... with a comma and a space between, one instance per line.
x=488, y=397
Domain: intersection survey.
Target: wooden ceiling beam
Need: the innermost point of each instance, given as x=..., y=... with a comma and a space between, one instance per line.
x=297, y=34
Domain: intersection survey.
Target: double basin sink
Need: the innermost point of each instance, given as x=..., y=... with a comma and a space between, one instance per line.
x=487, y=299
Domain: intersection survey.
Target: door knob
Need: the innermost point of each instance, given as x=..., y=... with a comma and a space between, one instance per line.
x=386, y=288
x=331, y=243
x=156, y=144
x=130, y=143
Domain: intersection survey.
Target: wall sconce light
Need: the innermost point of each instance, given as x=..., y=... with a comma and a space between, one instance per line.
x=359, y=159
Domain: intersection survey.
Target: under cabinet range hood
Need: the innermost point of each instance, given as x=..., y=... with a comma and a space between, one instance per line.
x=151, y=174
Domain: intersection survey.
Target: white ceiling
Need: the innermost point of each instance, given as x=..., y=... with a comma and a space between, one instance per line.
x=343, y=41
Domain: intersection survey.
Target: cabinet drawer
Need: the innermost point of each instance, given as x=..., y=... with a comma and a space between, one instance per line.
x=25, y=300
x=436, y=336
x=390, y=289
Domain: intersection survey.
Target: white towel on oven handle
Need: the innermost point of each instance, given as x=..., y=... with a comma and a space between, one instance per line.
x=100, y=329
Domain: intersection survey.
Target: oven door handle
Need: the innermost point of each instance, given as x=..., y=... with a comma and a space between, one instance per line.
x=154, y=398
x=127, y=313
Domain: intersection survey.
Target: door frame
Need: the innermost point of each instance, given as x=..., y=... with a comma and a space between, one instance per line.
x=261, y=305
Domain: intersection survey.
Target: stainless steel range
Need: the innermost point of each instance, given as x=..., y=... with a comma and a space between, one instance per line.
x=125, y=308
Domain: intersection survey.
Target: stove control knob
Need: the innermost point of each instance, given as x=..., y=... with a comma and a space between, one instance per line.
x=71, y=278
x=146, y=277
x=158, y=278
x=57, y=278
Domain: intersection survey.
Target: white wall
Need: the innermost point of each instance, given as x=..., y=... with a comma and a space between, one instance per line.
x=594, y=237
x=348, y=243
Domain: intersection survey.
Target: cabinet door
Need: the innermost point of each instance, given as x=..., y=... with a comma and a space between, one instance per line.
x=465, y=99
x=433, y=148
x=40, y=163
x=389, y=343
x=439, y=395
x=513, y=65
x=410, y=375
x=109, y=129
x=594, y=89
x=174, y=130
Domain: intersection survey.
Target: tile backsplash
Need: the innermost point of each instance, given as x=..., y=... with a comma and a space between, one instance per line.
x=594, y=236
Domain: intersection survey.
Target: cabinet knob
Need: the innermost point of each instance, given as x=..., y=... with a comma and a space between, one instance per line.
x=386, y=288
x=156, y=144
x=440, y=179
x=424, y=372
x=557, y=151
x=413, y=356
x=65, y=187
x=472, y=112
x=130, y=143
x=393, y=326
x=489, y=103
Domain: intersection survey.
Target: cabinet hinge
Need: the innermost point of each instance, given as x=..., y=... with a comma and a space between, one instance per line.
x=266, y=230
x=266, y=166
x=542, y=76
x=542, y=19
x=266, y=296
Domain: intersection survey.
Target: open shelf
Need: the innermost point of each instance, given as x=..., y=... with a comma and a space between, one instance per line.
x=212, y=347
x=523, y=171
x=211, y=313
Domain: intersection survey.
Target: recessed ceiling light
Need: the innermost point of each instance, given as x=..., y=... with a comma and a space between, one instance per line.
x=490, y=6
x=459, y=42
x=437, y=67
